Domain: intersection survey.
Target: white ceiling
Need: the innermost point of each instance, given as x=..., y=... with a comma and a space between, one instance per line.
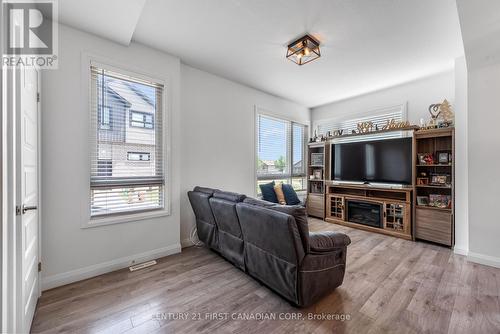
x=112, y=19
x=366, y=44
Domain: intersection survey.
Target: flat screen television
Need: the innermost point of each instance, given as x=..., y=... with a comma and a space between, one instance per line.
x=378, y=161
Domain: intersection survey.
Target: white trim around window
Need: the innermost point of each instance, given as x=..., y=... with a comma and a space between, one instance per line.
x=111, y=65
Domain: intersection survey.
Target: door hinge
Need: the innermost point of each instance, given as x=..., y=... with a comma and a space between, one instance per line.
x=39, y=266
x=18, y=210
x=37, y=97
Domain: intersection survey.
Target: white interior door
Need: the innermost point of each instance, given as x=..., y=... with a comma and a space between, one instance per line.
x=27, y=193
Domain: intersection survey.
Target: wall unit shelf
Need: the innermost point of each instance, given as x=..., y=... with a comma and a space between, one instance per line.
x=317, y=172
x=432, y=186
x=434, y=165
x=435, y=221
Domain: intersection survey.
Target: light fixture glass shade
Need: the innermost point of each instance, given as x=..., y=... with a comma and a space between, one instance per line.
x=303, y=50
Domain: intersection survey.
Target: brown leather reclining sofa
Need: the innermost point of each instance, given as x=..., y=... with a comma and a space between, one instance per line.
x=271, y=243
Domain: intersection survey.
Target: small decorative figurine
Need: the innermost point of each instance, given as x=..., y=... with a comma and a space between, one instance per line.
x=445, y=112
x=434, y=110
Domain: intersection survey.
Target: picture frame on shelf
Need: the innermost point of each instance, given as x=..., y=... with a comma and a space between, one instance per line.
x=440, y=179
x=316, y=188
x=317, y=159
x=440, y=201
x=317, y=174
x=422, y=181
x=423, y=200
x=443, y=157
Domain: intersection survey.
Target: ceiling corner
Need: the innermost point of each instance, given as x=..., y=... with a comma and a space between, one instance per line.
x=111, y=19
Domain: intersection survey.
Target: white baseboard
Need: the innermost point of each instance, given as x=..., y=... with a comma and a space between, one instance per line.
x=185, y=243
x=76, y=275
x=461, y=251
x=484, y=259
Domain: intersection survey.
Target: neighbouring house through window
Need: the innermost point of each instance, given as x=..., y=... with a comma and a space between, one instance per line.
x=127, y=143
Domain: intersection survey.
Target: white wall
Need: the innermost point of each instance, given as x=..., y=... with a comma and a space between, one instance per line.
x=461, y=159
x=480, y=25
x=218, y=134
x=484, y=164
x=419, y=94
x=68, y=251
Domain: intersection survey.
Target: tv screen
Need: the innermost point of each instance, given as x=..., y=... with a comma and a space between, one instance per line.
x=381, y=161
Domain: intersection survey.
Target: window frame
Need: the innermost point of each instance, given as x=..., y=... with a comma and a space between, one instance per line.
x=88, y=221
x=288, y=177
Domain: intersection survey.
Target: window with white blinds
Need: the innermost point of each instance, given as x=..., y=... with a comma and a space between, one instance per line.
x=127, y=162
x=378, y=117
x=281, y=151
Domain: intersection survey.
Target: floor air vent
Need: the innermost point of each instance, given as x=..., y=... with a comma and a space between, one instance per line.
x=142, y=265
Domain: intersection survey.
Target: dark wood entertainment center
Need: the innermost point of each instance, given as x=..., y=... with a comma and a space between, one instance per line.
x=395, y=207
x=392, y=210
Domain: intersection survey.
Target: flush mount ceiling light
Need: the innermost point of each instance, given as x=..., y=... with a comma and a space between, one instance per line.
x=303, y=50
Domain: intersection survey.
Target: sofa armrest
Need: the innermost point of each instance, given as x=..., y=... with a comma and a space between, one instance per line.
x=327, y=241
x=322, y=271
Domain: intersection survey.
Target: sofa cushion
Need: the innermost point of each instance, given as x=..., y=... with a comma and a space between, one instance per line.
x=268, y=193
x=229, y=196
x=258, y=202
x=230, y=240
x=291, y=197
x=299, y=213
x=278, y=189
x=205, y=220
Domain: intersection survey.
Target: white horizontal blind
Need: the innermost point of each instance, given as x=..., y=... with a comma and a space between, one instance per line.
x=281, y=151
x=273, y=148
x=378, y=117
x=127, y=171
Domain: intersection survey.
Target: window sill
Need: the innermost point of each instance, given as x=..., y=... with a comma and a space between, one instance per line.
x=125, y=218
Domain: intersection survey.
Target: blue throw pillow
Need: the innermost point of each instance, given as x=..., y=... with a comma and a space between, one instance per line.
x=291, y=197
x=268, y=193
